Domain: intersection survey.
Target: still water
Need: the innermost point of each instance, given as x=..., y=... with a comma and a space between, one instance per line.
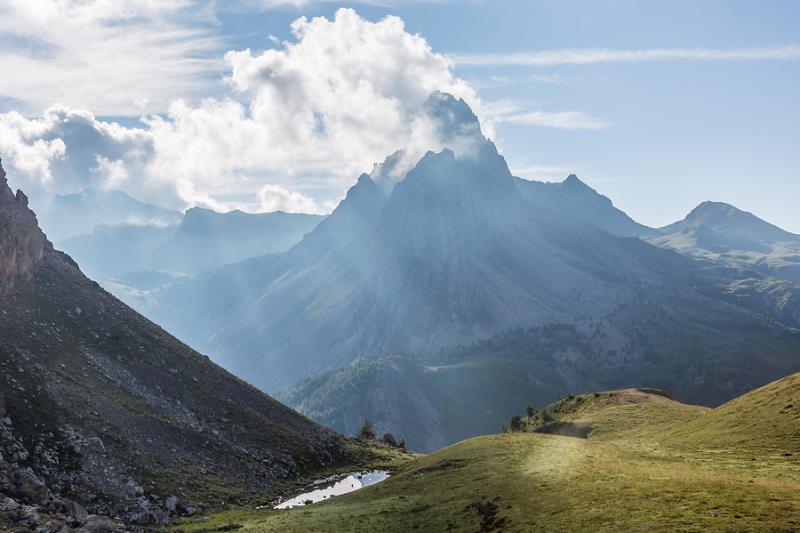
x=352, y=482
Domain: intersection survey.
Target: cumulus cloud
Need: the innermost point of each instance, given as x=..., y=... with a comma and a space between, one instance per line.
x=25, y=150
x=341, y=96
x=73, y=145
x=311, y=114
x=300, y=119
x=276, y=198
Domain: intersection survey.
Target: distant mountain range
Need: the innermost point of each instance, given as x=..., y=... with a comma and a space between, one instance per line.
x=102, y=412
x=456, y=272
x=723, y=234
x=137, y=255
x=206, y=239
x=460, y=273
x=65, y=216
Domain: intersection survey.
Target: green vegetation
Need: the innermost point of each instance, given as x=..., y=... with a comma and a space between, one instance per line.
x=649, y=463
x=367, y=431
x=703, y=354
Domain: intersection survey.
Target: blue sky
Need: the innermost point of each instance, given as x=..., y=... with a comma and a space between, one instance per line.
x=658, y=136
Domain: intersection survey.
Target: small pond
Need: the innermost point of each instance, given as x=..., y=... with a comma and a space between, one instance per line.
x=328, y=488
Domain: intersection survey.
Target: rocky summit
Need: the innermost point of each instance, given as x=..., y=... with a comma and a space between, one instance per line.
x=109, y=423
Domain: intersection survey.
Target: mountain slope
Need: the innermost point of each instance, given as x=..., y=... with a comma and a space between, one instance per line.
x=636, y=471
x=277, y=299
x=699, y=350
x=105, y=409
x=113, y=250
x=456, y=253
x=765, y=421
x=430, y=406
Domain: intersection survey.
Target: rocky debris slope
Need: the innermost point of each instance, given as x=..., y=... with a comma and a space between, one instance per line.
x=103, y=414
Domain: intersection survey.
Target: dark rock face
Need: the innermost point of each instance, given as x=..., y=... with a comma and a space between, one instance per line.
x=22, y=243
x=102, y=413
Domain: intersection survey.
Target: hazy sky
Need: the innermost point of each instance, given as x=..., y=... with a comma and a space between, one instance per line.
x=658, y=105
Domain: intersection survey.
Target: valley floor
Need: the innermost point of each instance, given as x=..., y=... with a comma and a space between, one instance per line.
x=650, y=464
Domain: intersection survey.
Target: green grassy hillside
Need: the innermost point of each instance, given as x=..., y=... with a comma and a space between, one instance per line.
x=649, y=463
x=764, y=422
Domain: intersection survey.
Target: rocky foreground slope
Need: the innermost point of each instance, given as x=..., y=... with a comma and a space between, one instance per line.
x=104, y=413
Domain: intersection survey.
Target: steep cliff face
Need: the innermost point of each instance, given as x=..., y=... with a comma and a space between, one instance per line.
x=22, y=243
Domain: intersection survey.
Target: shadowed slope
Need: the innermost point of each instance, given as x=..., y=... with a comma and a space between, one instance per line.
x=109, y=410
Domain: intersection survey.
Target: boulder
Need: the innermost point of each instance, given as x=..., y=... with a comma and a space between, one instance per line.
x=388, y=438
x=171, y=503
x=75, y=511
x=54, y=525
x=99, y=524
x=94, y=444
x=7, y=504
x=29, y=515
x=28, y=487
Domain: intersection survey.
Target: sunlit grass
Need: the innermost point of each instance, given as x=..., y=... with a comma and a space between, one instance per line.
x=649, y=465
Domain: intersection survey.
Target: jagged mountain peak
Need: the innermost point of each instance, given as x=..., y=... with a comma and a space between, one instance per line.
x=363, y=201
x=351, y=219
x=446, y=178
x=387, y=173
x=365, y=190
x=454, y=116
x=455, y=126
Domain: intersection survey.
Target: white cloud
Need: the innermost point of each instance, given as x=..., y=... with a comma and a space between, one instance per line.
x=271, y=4
x=114, y=173
x=515, y=112
x=341, y=96
x=299, y=123
x=565, y=120
x=313, y=113
x=120, y=57
x=24, y=149
x=580, y=56
x=66, y=149
x=276, y=198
